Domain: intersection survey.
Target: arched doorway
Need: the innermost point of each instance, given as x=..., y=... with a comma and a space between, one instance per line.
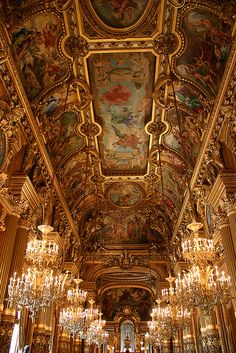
x=127, y=330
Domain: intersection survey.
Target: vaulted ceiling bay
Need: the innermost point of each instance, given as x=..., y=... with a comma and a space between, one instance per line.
x=113, y=113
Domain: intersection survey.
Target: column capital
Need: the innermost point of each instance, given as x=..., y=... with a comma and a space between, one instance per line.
x=220, y=218
x=230, y=203
x=225, y=184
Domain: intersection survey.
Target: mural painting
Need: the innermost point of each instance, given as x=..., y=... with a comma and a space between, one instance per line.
x=35, y=47
x=190, y=98
x=122, y=90
x=61, y=137
x=172, y=187
x=119, y=13
x=191, y=136
x=2, y=148
x=125, y=194
x=208, y=48
x=56, y=100
x=126, y=228
x=114, y=299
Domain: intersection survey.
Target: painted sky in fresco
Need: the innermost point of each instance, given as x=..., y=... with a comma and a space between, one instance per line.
x=122, y=86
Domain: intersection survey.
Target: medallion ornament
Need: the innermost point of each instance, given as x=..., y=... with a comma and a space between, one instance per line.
x=76, y=46
x=166, y=43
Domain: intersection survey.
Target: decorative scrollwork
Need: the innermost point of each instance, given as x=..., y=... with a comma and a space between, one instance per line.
x=4, y=52
x=89, y=130
x=63, y=5
x=157, y=128
x=76, y=46
x=85, y=96
x=177, y=3
x=166, y=43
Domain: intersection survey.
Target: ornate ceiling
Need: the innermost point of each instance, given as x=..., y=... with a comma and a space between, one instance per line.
x=119, y=97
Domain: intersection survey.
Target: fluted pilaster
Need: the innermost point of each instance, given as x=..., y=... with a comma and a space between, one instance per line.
x=222, y=329
x=7, y=240
x=228, y=246
x=19, y=250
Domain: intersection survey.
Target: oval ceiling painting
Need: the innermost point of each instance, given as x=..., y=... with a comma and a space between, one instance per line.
x=125, y=194
x=119, y=13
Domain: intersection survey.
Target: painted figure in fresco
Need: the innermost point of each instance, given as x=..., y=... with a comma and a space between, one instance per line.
x=123, y=116
x=192, y=102
x=124, y=85
x=205, y=59
x=125, y=140
x=36, y=51
x=117, y=95
x=122, y=8
x=52, y=104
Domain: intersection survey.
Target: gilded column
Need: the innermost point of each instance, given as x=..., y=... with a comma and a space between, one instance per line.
x=7, y=240
x=19, y=247
x=227, y=241
x=64, y=342
x=196, y=330
x=41, y=341
x=229, y=204
x=222, y=329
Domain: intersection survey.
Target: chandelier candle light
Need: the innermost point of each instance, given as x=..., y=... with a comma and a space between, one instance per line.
x=202, y=285
x=39, y=287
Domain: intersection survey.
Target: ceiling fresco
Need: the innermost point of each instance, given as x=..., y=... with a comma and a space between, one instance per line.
x=204, y=58
x=119, y=14
x=120, y=96
x=122, y=86
x=113, y=84
x=113, y=300
x=130, y=227
x=35, y=45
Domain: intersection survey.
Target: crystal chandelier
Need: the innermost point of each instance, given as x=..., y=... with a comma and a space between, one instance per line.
x=38, y=287
x=204, y=288
x=96, y=333
x=76, y=296
x=72, y=320
x=152, y=337
x=42, y=253
x=198, y=250
x=202, y=285
x=179, y=318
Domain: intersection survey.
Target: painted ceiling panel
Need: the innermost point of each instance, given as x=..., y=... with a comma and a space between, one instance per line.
x=35, y=45
x=122, y=85
x=113, y=300
x=129, y=227
x=62, y=138
x=116, y=53
x=119, y=13
x=208, y=45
